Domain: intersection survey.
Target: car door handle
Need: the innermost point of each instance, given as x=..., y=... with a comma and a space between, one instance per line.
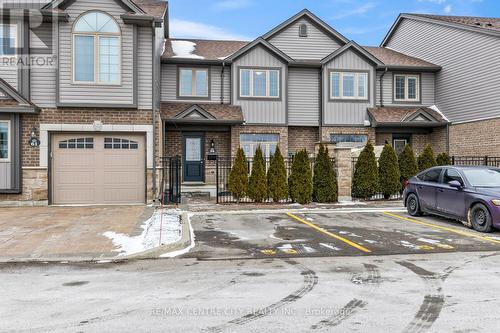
x=420, y=187
x=441, y=190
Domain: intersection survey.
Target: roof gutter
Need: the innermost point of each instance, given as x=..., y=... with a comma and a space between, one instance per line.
x=382, y=88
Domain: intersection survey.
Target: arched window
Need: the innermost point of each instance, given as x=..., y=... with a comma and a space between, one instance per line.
x=96, y=49
x=303, y=30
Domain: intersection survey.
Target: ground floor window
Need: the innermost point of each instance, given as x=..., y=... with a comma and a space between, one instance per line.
x=399, y=145
x=267, y=142
x=4, y=140
x=349, y=140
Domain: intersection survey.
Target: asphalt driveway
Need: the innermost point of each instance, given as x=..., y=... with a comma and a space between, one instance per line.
x=335, y=233
x=66, y=232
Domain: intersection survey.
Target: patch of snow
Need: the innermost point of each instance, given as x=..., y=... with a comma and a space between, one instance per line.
x=274, y=237
x=407, y=244
x=429, y=241
x=221, y=58
x=350, y=203
x=330, y=246
x=309, y=218
x=371, y=241
x=435, y=108
x=184, y=49
x=185, y=250
x=308, y=249
x=171, y=231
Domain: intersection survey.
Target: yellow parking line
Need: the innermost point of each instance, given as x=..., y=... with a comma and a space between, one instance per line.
x=435, y=226
x=326, y=232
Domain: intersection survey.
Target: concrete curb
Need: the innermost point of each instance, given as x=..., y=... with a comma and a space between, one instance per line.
x=153, y=253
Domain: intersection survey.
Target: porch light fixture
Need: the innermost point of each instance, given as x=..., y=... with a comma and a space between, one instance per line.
x=212, y=153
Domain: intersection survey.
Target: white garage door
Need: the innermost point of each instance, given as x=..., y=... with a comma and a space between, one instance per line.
x=101, y=169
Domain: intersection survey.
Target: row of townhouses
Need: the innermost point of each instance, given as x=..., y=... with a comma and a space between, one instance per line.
x=93, y=93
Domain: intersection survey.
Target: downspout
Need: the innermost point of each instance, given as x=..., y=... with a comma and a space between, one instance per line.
x=381, y=88
x=320, y=120
x=154, y=94
x=448, y=138
x=222, y=83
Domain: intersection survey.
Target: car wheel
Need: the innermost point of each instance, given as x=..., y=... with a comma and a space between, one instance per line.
x=413, y=206
x=480, y=218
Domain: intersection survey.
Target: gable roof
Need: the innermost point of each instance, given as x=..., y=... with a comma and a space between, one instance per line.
x=208, y=50
x=260, y=42
x=485, y=25
x=14, y=101
x=201, y=113
x=352, y=45
x=401, y=116
x=397, y=60
x=314, y=19
x=154, y=8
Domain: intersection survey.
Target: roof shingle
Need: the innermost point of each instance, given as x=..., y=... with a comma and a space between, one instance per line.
x=396, y=114
x=207, y=49
x=488, y=23
x=221, y=112
x=155, y=8
x=393, y=58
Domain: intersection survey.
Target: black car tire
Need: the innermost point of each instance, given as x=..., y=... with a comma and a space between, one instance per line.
x=480, y=218
x=413, y=205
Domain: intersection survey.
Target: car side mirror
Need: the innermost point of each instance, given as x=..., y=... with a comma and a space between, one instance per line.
x=455, y=184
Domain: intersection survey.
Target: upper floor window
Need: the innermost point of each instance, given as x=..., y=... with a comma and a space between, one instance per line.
x=4, y=140
x=303, y=30
x=260, y=83
x=8, y=40
x=96, y=49
x=406, y=88
x=349, y=85
x=193, y=82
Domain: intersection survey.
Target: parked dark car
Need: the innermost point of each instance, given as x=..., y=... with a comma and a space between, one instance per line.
x=465, y=193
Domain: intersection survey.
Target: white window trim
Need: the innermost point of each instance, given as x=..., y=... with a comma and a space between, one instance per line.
x=263, y=145
x=193, y=81
x=268, y=83
x=9, y=141
x=356, y=86
x=406, y=99
x=96, y=36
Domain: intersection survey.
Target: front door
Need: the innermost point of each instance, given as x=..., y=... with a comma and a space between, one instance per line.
x=193, y=154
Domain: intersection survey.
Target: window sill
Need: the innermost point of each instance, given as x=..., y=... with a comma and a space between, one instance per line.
x=260, y=98
x=90, y=84
x=365, y=100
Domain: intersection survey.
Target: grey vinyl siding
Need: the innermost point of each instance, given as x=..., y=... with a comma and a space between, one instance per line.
x=303, y=97
x=145, y=67
x=316, y=45
x=70, y=93
x=169, y=84
x=43, y=79
x=261, y=111
x=347, y=112
x=426, y=91
x=466, y=87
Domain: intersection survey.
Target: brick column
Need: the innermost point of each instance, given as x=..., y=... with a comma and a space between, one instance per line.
x=344, y=172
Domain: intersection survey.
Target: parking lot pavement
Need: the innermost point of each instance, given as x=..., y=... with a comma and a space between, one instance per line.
x=311, y=234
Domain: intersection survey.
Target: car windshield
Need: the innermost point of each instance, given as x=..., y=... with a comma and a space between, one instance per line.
x=483, y=177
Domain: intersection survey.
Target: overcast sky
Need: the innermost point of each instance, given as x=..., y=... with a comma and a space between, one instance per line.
x=366, y=22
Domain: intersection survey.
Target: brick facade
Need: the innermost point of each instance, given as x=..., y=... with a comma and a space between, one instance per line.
x=437, y=139
x=35, y=178
x=475, y=138
x=302, y=137
x=281, y=130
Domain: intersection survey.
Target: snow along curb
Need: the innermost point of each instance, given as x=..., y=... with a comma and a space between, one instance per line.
x=185, y=243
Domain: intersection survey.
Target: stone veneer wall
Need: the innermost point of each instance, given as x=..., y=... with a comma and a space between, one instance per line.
x=302, y=137
x=35, y=178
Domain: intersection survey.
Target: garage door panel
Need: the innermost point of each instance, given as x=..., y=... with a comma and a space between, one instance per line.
x=109, y=169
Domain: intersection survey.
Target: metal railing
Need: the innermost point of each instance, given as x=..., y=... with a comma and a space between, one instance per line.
x=170, y=191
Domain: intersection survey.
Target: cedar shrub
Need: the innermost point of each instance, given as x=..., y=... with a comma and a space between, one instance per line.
x=365, y=180
x=238, y=177
x=443, y=159
x=407, y=164
x=300, y=181
x=257, y=185
x=324, y=179
x=276, y=177
x=426, y=160
x=388, y=172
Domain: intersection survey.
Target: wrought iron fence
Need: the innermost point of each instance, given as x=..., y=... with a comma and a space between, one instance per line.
x=377, y=196
x=171, y=179
x=223, y=169
x=476, y=160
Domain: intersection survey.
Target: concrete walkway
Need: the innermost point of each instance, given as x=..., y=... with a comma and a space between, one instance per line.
x=66, y=232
